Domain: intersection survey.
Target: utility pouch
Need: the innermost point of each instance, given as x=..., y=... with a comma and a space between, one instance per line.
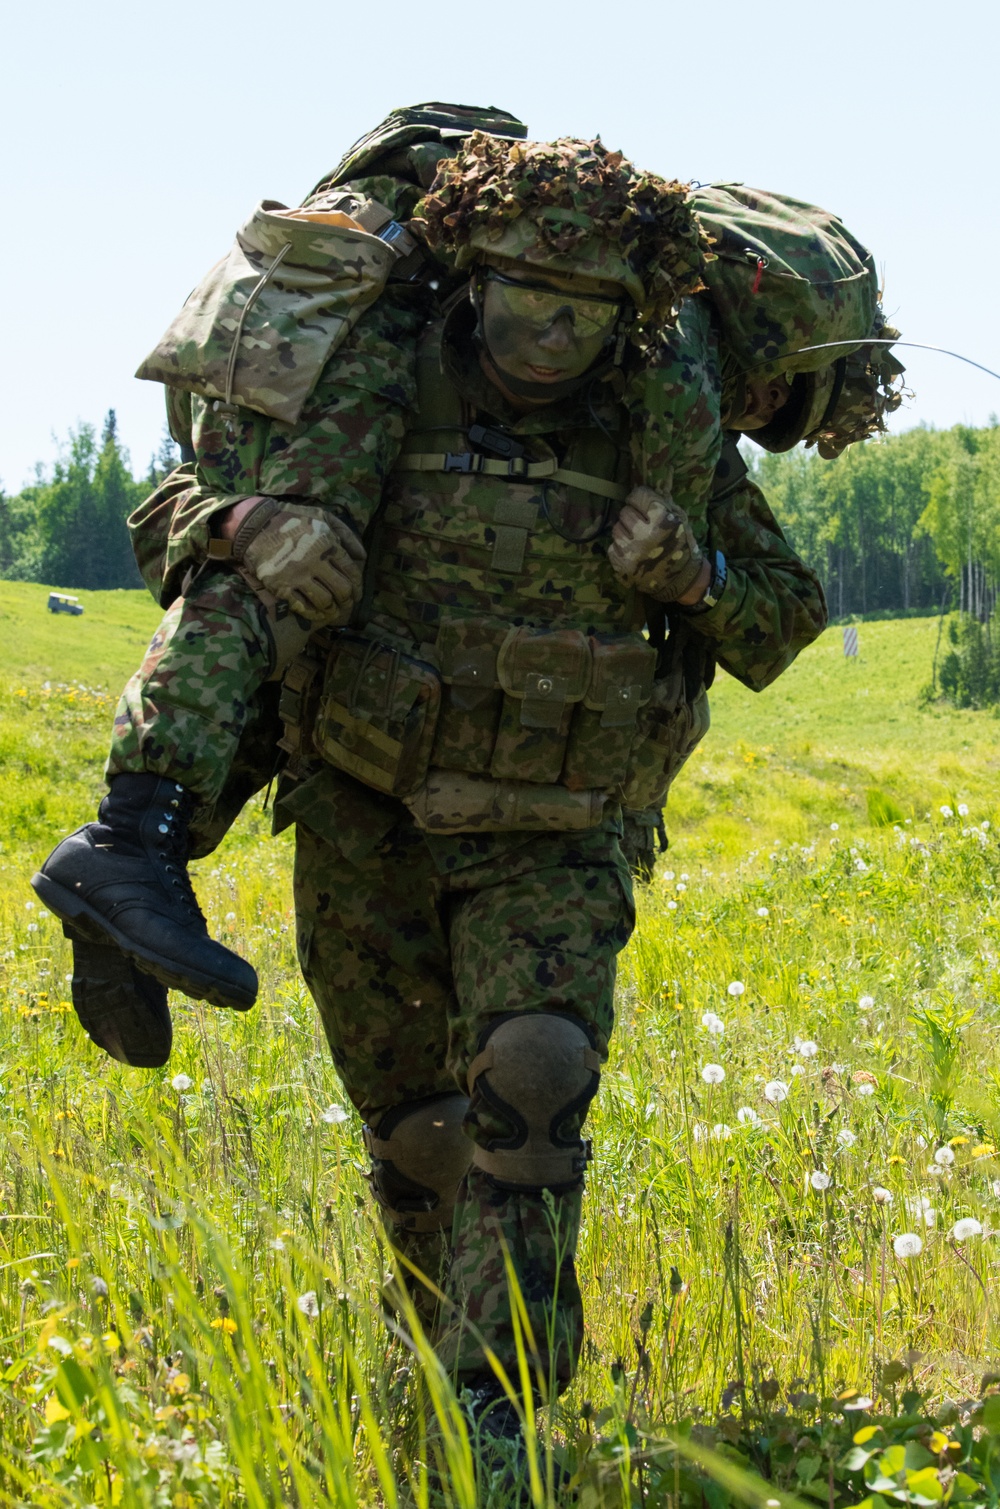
x=377, y=714
x=467, y=653
x=670, y=730
x=605, y=726
x=450, y=802
x=543, y=673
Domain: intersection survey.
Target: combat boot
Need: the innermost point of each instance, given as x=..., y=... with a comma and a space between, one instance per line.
x=124, y=880
x=122, y=1010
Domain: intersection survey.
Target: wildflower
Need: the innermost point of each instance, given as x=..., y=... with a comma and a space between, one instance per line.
x=308, y=1303
x=797, y=1069
x=945, y=1156
x=699, y=1131
x=713, y=1074
x=967, y=1227
x=865, y=1089
x=668, y=874
x=736, y=988
x=907, y=1245
x=181, y=1082
x=720, y=1132
x=946, y=811
x=713, y=1024
x=881, y=1195
x=963, y=809
x=985, y=1150
x=896, y=1159
x=224, y=1323
x=680, y=886
x=957, y=1141
x=277, y=1245
x=820, y=1179
x=333, y=1115
x=762, y=911
x=747, y=1116
x=179, y=1384
x=776, y=1091
x=671, y=906
x=230, y=916
x=29, y=906
x=805, y=1048
x=834, y=827
x=846, y=1137
x=685, y=875
x=866, y=1003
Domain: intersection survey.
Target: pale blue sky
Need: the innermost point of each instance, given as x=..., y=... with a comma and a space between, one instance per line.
x=136, y=138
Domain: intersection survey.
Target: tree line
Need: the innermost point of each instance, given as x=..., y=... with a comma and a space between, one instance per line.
x=67, y=528
x=908, y=522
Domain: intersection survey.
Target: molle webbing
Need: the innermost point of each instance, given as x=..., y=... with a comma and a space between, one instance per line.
x=519, y=469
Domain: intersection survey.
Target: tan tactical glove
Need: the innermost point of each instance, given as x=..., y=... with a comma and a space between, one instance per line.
x=303, y=555
x=652, y=547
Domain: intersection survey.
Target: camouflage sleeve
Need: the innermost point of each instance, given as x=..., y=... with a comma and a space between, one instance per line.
x=773, y=603
x=674, y=404
x=339, y=453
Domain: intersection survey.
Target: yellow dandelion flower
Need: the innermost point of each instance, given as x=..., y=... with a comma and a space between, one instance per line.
x=984, y=1150
x=223, y=1323
x=958, y=1141
x=896, y=1159
x=179, y=1384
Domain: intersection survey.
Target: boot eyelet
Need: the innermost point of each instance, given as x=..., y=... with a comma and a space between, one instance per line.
x=163, y=828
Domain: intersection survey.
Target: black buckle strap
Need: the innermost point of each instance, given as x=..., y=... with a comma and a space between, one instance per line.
x=460, y=461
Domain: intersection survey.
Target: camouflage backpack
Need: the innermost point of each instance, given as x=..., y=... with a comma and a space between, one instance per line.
x=785, y=274
x=260, y=327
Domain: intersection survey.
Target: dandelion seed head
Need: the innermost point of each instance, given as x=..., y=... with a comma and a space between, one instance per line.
x=763, y=911
x=736, y=988
x=713, y=1024
x=866, y=1003
x=181, y=1082
x=846, y=1137
x=776, y=1091
x=671, y=906
x=805, y=1047
x=720, y=1132
x=966, y=1228
x=946, y=811
x=907, y=1245
x=713, y=1074
x=944, y=1156
x=963, y=809
x=747, y=1116
x=820, y=1179
x=864, y=1089
x=333, y=1115
x=308, y=1303
x=834, y=827
x=881, y=1195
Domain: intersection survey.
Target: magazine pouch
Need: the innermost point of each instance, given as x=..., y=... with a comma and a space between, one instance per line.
x=544, y=673
x=605, y=725
x=377, y=714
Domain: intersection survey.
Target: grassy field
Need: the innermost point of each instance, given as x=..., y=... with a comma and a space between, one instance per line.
x=804, y=1088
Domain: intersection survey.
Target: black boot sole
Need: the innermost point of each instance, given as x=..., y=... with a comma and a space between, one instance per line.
x=120, y=1007
x=80, y=915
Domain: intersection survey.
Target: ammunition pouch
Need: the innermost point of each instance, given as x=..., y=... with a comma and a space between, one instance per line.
x=536, y=1074
x=420, y=1155
x=492, y=728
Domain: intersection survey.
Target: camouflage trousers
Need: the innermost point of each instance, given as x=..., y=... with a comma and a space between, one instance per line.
x=186, y=709
x=410, y=953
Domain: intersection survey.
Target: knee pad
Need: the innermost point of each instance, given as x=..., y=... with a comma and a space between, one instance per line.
x=419, y=1156
x=538, y=1073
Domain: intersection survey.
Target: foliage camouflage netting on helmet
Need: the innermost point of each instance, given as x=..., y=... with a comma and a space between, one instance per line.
x=572, y=204
x=872, y=389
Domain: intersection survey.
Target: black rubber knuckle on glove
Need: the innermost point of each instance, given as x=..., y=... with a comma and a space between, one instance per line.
x=538, y=1072
x=420, y=1155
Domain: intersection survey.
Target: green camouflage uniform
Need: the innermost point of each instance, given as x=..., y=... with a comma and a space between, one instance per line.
x=414, y=942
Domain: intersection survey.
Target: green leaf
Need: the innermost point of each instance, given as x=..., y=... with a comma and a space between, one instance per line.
x=917, y=1457
x=856, y=1458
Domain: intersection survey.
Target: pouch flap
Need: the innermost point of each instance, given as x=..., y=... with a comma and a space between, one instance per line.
x=545, y=666
x=622, y=678
x=467, y=652
x=450, y=802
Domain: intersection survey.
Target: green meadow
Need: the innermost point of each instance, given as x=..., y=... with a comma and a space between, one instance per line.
x=792, y=1237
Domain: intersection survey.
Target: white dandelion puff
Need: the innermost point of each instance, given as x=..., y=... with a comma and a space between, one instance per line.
x=945, y=1156
x=308, y=1303
x=820, y=1179
x=721, y=1132
x=846, y=1137
x=866, y=1003
x=834, y=827
x=946, y=811
x=881, y=1195
x=713, y=1074
x=776, y=1091
x=181, y=1082
x=713, y=1024
x=333, y=1115
x=747, y=1117
x=763, y=911
x=907, y=1245
x=805, y=1047
x=736, y=988
x=963, y=809
x=864, y=1089
x=966, y=1228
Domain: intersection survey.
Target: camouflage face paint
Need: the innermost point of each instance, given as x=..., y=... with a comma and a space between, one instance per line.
x=543, y=334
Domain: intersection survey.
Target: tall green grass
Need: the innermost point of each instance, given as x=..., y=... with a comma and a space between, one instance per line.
x=804, y=1071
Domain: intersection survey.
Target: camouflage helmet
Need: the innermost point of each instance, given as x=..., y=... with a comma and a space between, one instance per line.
x=568, y=206
x=844, y=402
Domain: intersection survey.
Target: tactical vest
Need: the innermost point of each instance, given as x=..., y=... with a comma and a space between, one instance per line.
x=500, y=676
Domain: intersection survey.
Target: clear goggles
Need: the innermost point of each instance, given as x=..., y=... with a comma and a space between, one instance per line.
x=542, y=305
